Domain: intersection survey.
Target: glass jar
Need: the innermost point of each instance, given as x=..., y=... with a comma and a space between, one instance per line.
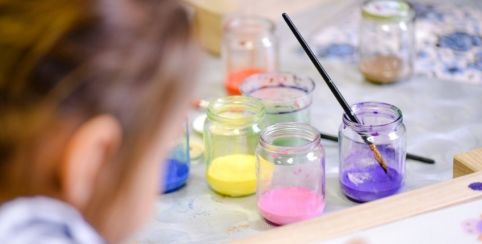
x=176, y=170
x=361, y=177
x=290, y=173
x=231, y=133
x=286, y=97
x=249, y=47
x=386, y=45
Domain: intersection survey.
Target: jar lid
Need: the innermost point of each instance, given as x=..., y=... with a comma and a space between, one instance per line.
x=386, y=10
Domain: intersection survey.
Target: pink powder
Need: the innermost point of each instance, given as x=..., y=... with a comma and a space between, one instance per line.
x=291, y=204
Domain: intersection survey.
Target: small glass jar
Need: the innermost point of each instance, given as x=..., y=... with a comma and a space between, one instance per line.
x=177, y=165
x=286, y=97
x=231, y=133
x=386, y=45
x=249, y=47
x=290, y=173
x=361, y=177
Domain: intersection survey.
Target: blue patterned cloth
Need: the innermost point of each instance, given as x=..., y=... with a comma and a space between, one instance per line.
x=448, y=40
x=43, y=220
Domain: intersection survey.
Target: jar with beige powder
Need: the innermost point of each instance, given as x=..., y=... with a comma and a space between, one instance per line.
x=386, y=41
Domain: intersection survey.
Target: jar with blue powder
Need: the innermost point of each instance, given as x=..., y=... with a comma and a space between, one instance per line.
x=177, y=165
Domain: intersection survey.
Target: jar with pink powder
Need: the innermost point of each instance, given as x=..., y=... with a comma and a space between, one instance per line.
x=290, y=184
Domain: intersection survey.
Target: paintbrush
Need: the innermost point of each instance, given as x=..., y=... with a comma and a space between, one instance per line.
x=341, y=100
x=421, y=159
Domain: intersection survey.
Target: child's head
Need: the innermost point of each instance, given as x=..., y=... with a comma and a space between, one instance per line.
x=91, y=94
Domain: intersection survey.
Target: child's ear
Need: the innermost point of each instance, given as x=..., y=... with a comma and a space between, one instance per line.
x=91, y=146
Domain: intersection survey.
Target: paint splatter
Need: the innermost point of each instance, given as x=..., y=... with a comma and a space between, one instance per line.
x=476, y=186
x=473, y=227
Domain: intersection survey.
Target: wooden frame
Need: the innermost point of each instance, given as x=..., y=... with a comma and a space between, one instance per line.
x=209, y=14
x=467, y=168
x=467, y=163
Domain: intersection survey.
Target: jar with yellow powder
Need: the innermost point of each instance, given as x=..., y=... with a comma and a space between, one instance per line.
x=231, y=133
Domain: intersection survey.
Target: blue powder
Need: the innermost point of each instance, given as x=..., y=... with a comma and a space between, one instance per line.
x=176, y=175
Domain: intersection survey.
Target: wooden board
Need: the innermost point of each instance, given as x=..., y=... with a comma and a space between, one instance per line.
x=209, y=15
x=208, y=19
x=382, y=211
x=467, y=163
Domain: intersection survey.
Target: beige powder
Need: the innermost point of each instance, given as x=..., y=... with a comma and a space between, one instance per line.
x=382, y=69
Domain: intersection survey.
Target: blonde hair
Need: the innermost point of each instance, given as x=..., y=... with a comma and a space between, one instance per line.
x=70, y=60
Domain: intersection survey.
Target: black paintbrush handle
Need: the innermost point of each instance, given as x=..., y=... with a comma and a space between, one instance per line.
x=320, y=69
x=329, y=82
x=420, y=159
x=376, y=153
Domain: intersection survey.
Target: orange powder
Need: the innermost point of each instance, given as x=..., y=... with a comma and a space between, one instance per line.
x=236, y=78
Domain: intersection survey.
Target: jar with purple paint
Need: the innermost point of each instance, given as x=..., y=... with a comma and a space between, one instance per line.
x=362, y=179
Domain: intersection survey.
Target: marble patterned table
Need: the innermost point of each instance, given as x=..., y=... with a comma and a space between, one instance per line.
x=442, y=118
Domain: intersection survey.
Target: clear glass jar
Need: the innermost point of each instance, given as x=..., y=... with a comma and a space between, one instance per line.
x=361, y=177
x=386, y=46
x=290, y=173
x=286, y=97
x=249, y=47
x=231, y=133
x=177, y=165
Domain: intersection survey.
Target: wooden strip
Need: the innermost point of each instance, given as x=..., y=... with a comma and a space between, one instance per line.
x=375, y=213
x=467, y=163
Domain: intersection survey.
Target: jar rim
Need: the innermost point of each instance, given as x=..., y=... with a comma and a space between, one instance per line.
x=290, y=129
x=217, y=106
x=387, y=10
x=357, y=107
x=307, y=81
x=237, y=20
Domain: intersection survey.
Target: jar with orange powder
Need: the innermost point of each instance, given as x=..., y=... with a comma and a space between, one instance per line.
x=249, y=47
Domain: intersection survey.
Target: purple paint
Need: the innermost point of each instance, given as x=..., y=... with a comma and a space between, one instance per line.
x=370, y=183
x=476, y=186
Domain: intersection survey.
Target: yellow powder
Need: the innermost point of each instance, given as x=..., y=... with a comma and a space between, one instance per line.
x=233, y=175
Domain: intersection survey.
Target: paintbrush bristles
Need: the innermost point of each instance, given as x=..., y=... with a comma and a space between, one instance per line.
x=378, y=157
